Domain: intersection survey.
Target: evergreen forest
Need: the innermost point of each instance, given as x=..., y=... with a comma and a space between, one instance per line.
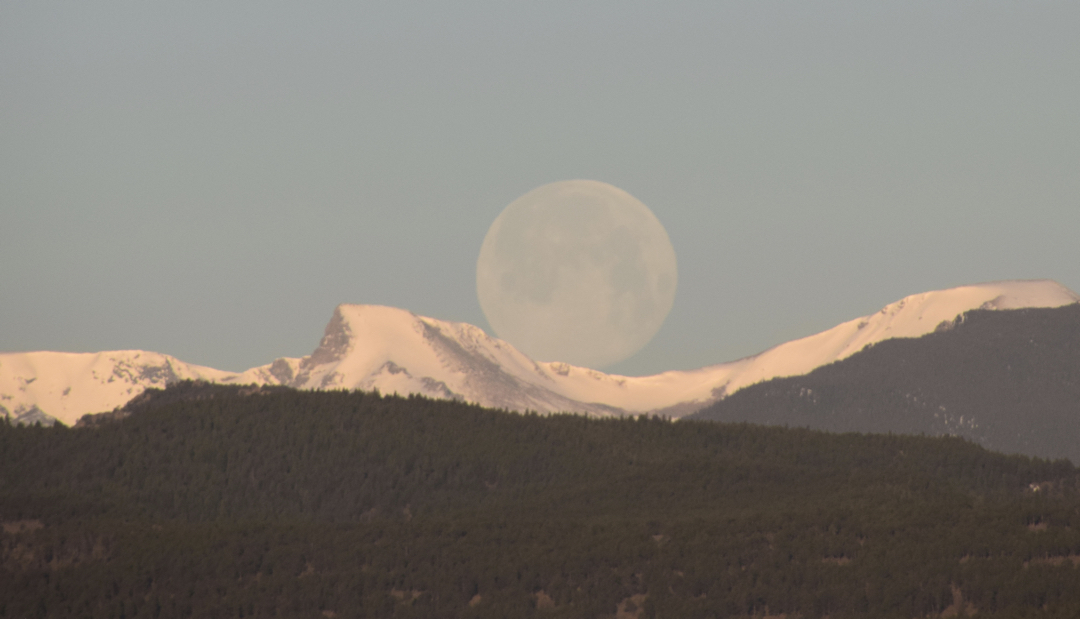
x=220, y=502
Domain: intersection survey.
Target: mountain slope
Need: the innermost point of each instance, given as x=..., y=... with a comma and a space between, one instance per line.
x=48, y=386
x=206, y=502
x=1008, y=380
x=395, y=351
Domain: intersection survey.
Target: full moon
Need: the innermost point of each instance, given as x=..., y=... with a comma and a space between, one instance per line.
x=576, y=271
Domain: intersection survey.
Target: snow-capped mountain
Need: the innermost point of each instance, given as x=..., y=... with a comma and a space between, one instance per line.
x=392, y=350
x=47, y=386
x=395, y=351
x=1009, y=381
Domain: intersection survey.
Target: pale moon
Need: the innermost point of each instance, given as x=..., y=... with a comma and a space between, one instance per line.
x=576, y=271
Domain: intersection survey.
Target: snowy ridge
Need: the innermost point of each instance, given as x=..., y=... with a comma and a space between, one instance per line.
x=395, y=351
x=47, y=386
x=679, y=393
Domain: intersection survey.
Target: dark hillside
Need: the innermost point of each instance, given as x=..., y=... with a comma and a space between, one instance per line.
x=1008, y=380
x=219, y=502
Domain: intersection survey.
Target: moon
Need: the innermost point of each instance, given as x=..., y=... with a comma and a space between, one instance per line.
x=577, y=271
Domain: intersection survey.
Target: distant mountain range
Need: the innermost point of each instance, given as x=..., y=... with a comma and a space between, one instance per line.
x=392, y=350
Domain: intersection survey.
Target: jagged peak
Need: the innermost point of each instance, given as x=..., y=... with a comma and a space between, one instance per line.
x=336, y=341
x=373, y=324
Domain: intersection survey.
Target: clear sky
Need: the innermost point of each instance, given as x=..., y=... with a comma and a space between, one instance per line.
x=209, y=179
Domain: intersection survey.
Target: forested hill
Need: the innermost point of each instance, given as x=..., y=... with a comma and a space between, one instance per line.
x=1006, y=379
x=206, y=502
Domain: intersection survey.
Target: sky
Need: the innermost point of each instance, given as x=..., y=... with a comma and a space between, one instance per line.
x=210, y=179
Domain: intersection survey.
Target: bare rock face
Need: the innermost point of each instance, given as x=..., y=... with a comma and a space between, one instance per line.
x=282, y=371
x=336, y=343
x=27, y=415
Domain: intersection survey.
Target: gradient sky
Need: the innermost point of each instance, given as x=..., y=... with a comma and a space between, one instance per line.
x=209, y=179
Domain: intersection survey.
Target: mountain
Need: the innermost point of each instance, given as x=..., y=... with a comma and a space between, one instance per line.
x=393, y=350
x=49, y=386
x=1008, y=380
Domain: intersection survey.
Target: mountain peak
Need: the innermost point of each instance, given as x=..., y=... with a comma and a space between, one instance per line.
x=336, y=341
x=1018, y=294
x=1005, y=294
x=919, y=314
x=394, y=350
